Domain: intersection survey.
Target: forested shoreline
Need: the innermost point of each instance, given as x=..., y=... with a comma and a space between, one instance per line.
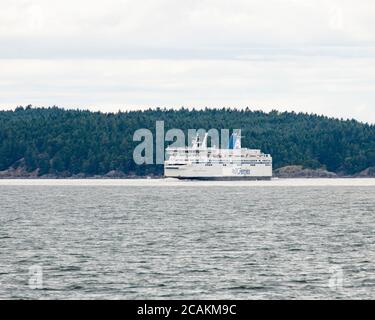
x=56, y=142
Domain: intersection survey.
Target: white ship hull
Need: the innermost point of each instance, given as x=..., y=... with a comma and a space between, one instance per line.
x=203, y=171
x=234, y=163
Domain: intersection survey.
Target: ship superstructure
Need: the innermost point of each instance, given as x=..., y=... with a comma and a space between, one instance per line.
x=212, y=163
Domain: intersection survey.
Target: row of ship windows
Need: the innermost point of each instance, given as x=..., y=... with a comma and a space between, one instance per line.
x=243, y=161
x=210, y=165
x=252, y=164
x=209, y=153
x=238, y=161
x=192, y=155
x=224, y=164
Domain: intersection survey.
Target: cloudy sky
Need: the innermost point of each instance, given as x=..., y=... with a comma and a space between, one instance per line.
x=303, y=55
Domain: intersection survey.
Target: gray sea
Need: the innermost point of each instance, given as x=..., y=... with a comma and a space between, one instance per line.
x=166, y=239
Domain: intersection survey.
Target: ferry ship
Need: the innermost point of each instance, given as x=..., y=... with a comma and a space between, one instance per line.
x=210, y=163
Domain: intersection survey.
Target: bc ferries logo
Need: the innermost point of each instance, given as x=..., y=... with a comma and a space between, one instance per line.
x=240, y=172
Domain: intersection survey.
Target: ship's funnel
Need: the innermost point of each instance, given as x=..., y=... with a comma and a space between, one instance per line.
x=231, y=144
x=235, y=141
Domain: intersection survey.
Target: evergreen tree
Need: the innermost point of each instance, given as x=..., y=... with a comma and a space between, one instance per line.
x=55, y=140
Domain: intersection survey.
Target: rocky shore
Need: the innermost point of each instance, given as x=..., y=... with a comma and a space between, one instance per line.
x=300, y=172
x=368, y=173
x=292, y=171
x=21, y=173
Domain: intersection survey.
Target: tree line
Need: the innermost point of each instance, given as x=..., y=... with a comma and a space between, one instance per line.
x=58, y=141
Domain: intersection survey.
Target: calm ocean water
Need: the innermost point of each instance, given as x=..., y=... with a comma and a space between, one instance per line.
x=149, y=239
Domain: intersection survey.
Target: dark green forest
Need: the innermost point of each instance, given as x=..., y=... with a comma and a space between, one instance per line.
x=68, y=142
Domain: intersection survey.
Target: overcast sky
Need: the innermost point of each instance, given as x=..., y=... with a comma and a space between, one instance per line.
x=304, y=55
